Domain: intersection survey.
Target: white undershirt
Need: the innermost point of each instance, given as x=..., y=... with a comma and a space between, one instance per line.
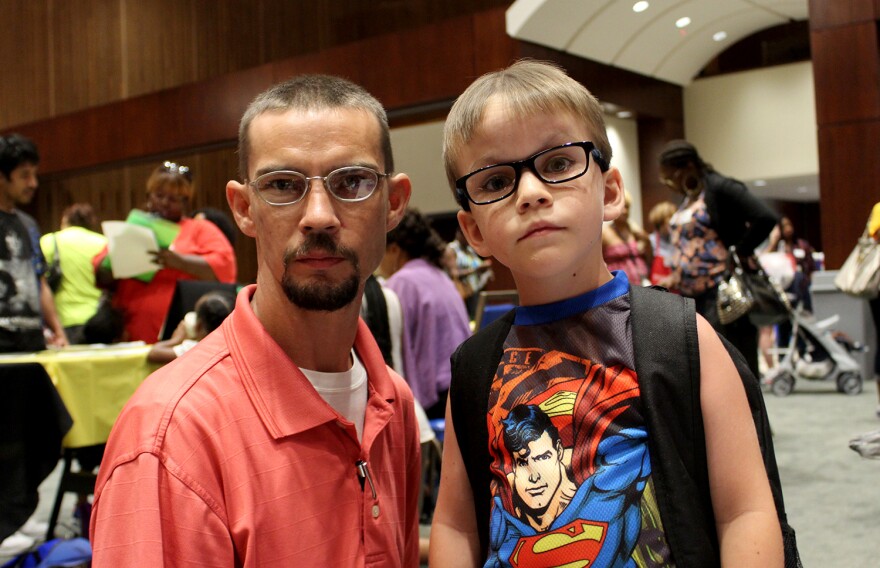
x=346, y=392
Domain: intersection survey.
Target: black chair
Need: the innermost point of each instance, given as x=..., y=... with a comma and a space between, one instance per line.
x=81, y=482
x=33, y=422
x=492, y=305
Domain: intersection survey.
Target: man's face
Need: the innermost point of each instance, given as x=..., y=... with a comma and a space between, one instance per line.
x=538, y=472
x=21, y=185
x=319, y=249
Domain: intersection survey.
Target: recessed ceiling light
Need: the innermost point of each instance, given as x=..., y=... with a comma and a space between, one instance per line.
x=640, y=6
x=682, y=22
x=719, y=36
x=760, y=183
x=624, y=114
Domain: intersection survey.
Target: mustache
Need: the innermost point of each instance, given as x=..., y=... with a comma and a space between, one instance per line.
x=323, y=242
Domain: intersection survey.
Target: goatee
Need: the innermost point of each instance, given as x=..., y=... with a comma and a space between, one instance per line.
x=321, y=294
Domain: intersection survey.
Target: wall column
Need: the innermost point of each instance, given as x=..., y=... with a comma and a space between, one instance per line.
x=846, y=66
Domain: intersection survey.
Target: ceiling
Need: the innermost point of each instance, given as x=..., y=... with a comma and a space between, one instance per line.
x=647, y=42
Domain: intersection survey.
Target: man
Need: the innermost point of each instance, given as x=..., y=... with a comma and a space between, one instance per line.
x=282, y=438
x=21, y=260
x=550, y=514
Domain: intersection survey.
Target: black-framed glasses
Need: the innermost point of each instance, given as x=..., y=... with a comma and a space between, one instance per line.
x=178, y=169
x=286, y=187
x=553, y=165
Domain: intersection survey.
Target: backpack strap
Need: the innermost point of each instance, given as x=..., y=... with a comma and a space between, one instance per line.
x=667, y=361
x=474, y=365
x=671, y=403
x=376, y=317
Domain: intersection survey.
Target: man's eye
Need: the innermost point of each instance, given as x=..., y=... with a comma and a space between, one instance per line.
x=280, y=184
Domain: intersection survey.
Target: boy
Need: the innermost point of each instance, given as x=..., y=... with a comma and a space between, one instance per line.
x=528, y=156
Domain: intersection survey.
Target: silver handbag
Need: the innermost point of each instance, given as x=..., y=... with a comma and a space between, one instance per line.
x=734, y=299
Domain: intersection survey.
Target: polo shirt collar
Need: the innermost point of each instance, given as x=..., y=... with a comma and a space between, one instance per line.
x=275, y=384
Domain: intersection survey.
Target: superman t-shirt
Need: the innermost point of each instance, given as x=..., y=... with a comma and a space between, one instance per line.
x=571, y=475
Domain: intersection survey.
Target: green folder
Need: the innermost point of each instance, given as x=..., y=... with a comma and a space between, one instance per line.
x=165, y=231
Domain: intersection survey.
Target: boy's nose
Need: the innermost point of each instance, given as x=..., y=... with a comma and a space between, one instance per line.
x=532, y=191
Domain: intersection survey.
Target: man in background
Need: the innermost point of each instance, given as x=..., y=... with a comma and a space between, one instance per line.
x=26, y=301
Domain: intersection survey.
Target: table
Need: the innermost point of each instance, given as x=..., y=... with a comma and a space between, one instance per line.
x=94, y=382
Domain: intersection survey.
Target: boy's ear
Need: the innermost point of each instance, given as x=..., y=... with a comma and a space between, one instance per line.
x=472, y=233
x=399, y=192
x=239, y=200
x=614, y=197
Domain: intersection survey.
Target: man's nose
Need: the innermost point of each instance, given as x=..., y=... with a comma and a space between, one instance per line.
x=319, y=208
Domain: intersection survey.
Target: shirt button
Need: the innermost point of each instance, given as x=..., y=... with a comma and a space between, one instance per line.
x=375, y=511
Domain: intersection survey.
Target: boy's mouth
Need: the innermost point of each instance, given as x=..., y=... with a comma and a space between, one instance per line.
x=539, y=229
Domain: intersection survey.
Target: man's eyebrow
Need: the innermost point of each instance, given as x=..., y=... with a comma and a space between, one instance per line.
x=544, y=455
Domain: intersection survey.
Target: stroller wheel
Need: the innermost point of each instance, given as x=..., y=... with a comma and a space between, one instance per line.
x=849, y=383
x=782, y=384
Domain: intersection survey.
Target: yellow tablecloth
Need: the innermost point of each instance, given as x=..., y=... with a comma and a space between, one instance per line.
x=94, y=383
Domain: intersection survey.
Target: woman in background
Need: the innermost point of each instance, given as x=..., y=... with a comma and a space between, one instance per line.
x=626, y=246
x=75, y=245
x=435, y=320
x=661, y=245
x=716, y=213
x=200, y=251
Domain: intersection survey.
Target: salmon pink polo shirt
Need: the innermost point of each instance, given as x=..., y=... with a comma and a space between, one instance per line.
x=229, y=457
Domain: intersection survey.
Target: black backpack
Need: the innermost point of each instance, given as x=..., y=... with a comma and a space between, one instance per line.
x=667, y=363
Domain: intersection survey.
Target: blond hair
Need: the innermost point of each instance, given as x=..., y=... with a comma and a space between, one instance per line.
x=529, y=87
x=661, y=213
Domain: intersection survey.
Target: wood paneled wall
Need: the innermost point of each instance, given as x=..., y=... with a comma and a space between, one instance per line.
x=845, y=44
x=61, y=56
x=137, y=83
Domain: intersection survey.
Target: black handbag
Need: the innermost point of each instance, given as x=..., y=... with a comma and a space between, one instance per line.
x=53, y=272
x=746, y=291
x=770, y=303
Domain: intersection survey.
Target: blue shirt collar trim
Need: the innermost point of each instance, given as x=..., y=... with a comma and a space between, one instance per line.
x=546, y=313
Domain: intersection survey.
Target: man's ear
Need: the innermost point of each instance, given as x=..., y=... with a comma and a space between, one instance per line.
x=472, y=233
x=614, y=197
x=399, y=192
x=239, y=199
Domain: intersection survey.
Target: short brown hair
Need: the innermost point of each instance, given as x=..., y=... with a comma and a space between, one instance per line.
x=529, y=87
x=309, y=92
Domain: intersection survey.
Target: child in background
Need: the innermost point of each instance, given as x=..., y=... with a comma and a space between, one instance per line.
x=210, y=311
x=568, y=458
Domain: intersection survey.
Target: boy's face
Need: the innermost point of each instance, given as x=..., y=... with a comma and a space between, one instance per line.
x=548, y=235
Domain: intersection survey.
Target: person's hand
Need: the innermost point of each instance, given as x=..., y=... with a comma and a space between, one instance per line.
x=165, y=258
x=58, y=340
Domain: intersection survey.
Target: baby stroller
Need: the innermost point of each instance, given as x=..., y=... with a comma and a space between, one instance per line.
x=816, y=353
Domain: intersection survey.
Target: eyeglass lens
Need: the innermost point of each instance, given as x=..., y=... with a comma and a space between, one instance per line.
x=554, y=165
x=347, y=184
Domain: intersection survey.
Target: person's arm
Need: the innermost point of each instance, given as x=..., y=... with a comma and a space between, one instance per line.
x=748, y=528
x=163, y=351
x=455, y=542
x=192, y=264
x=737, y=202
x=50, y=315
x=145, y=516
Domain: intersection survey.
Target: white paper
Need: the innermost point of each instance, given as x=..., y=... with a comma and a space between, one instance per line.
x=129, y=247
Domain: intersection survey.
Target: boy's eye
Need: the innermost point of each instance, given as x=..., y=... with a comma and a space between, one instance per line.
x=497, y=183
x=556, y=165
x=496, y=180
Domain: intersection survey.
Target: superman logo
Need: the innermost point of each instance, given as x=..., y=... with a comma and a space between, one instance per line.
x=573, y=546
